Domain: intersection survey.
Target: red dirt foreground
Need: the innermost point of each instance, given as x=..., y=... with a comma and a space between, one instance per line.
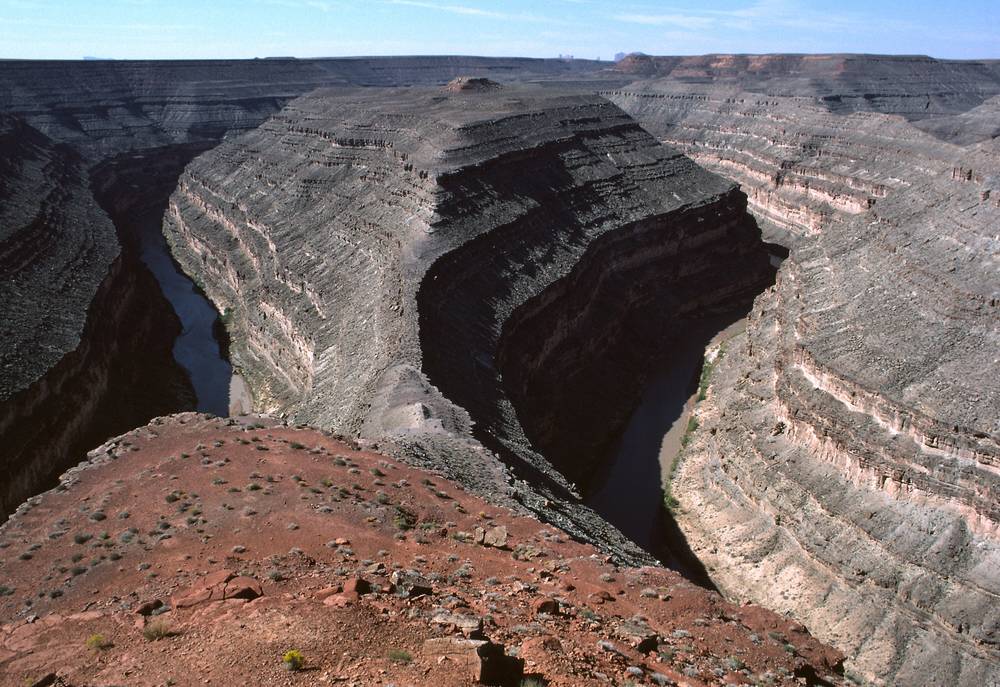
x=200, y=551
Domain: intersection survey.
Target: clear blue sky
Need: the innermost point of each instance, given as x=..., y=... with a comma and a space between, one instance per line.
x=71, y=29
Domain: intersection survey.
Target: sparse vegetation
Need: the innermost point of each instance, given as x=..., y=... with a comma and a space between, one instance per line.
x=97, y=642
x=156, y=630
x=404, y=519
x=293, y=660
x=706, y=374
x=692, y=425
x=400, y=656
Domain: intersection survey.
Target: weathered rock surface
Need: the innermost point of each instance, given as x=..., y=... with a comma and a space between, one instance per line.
x=847, y=464
x=845, y=470
x=51, y=232
x=61, y=123
x=320, y=534
x=916, y=87
x=401, y=265
x=57, y=119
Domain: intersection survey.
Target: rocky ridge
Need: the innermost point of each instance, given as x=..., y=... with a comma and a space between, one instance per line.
x=388, y=257
x=62, y=126
x=197, y=550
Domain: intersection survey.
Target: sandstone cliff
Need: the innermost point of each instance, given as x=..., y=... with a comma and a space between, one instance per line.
x=403, y=265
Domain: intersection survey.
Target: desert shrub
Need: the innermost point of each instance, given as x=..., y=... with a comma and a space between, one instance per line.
x=156, y=630
x=400, y=656
x=293, y=659
x=404, y=519
x=97, y=641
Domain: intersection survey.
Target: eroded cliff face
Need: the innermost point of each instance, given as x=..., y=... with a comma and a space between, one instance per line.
x=56, y=247
x=63, y=127
x=846, y=465
x=372, y=247
x=58, y=120
x=121, y=373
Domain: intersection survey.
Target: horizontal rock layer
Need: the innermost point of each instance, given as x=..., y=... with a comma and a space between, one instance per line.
x=57, y=119
x=373, y=247
x=847, y=467
x=916, y=87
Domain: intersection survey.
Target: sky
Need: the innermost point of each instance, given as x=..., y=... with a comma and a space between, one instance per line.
x=155, y=29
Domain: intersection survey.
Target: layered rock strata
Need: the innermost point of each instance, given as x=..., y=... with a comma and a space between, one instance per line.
x=374, y=249
x=915, y=87
x=60, y=122
x=51, y=232
x=58, y=119
x=846, y=465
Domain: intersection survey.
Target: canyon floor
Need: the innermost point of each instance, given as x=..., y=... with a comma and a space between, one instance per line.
x=198, y=550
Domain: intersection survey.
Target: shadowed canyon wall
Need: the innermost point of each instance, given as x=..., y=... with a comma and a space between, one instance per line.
x=417, y=269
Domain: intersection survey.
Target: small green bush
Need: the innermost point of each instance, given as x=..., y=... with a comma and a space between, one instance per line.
x=97, y=641
x=293, y=659
x=400, y=656
x=404, y=519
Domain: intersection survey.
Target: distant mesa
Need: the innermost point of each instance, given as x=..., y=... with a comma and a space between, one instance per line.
x=472, y=83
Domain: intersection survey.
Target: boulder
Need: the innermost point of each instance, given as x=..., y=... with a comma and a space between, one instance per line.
x=496, y=537
x=484, y=661
x=218, y=586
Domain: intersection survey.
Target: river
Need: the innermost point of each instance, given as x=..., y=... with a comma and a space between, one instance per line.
x=630, y=492
x=197, y=349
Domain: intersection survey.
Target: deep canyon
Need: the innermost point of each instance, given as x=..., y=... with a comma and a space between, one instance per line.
x=486, y=276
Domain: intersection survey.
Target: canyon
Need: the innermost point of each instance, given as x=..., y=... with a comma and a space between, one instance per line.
x=377, y=309
x=479, y=276
x=63, y=124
